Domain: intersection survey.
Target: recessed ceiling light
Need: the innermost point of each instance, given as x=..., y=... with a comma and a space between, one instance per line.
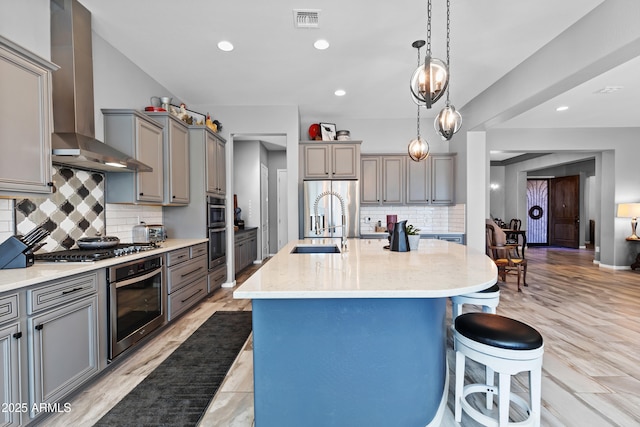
x=225, y=46
x=340, y=92
x=321, y=44
x=562, y=108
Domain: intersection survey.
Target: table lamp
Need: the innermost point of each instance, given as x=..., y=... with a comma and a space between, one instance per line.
x=630, y=210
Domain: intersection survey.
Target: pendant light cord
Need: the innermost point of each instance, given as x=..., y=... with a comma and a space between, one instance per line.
x=428, y=27
x=448, y=49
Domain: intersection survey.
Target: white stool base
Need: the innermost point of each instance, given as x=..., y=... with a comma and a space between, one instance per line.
x=506, y=363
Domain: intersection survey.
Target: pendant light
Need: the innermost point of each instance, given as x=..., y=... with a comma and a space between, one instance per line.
x=418, y=147
x=429, y=81
x=448, y=121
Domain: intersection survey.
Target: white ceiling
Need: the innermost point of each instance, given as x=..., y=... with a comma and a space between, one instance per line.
x=370, y=54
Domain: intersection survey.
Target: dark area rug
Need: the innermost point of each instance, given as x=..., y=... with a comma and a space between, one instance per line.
x=179, y=390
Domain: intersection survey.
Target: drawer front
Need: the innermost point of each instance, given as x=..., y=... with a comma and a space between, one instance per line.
x=198, y=250
x=187, y=297
x=217, y=277
x=186, y=272
x=8, y=307
x=61, y=292
x=177, y=256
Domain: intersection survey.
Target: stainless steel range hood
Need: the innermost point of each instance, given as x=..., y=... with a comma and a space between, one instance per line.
x=73, y=141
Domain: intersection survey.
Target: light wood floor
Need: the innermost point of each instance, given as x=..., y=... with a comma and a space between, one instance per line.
x=589, y=318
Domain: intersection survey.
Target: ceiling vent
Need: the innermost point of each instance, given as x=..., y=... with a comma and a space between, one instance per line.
x=609, y=89
x=306, y=18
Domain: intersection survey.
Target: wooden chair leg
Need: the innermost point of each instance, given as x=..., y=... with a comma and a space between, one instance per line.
x=524, y=275
x=519, y=273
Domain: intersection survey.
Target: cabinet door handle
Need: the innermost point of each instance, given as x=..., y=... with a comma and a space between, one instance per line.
x=39, y=327
x=71, y=291
x=141, y=194
x=17, y=335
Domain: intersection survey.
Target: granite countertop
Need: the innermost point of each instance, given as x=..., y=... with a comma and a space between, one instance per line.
x=366, y=270
x=40, y=272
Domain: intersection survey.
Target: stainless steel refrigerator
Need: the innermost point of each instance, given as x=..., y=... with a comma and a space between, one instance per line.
x=323, y=201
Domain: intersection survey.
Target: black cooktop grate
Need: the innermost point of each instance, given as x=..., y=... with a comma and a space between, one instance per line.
x=90, y=255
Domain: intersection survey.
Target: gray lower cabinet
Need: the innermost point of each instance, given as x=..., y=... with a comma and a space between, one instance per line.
x=26, y=121
x=10, y=363
x=245, y=249
x=217, y=277
x=62, y=338
x=187, y=278
x=455, y=238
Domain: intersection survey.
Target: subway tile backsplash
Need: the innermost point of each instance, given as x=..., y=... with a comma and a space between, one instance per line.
x=429, y=219
x=121, y=219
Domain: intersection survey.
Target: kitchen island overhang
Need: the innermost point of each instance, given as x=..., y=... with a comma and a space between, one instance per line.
x=359, y=337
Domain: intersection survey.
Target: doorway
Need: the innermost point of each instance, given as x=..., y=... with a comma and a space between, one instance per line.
x=553, y=212
x=564, y=211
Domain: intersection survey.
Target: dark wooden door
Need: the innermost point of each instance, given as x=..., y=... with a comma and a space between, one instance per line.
x=564, y=211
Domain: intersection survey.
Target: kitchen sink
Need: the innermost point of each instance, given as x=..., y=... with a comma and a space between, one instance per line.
x=315, y=249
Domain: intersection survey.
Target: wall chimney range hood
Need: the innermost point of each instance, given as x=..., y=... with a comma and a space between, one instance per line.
x=73, y=141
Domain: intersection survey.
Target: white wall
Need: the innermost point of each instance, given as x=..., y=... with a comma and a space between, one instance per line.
x=27, y=23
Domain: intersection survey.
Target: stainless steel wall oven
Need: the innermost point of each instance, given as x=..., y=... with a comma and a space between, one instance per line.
x=216, y=212
x=216, y=231
x=135, y=302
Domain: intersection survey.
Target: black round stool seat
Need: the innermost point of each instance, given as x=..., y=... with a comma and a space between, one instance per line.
x=498, y=331
x=494, y=288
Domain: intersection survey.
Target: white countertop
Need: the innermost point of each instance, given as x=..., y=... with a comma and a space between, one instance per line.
x=40, y=272
x=366, y=270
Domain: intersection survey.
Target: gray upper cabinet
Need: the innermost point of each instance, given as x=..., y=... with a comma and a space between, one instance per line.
x=25, y=120
x=176, y=158
x=382, y=180
x=214, y=160
x=432, y=181
x=139, y=136
x=221, y=167
x=322, y=160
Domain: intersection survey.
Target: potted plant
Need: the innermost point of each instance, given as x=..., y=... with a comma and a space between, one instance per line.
x=414, y=237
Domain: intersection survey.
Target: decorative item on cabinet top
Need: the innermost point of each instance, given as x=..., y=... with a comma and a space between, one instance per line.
x=191, y=117
x=327, y=132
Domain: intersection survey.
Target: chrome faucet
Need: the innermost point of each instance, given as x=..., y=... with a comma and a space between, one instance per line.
x=344, y=220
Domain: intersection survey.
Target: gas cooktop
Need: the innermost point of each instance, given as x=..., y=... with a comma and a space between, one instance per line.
x=90, y=255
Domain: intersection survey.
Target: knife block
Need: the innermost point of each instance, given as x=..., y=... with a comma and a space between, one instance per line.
x=15, y=254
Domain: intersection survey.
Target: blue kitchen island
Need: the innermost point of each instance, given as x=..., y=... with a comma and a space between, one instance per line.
x=356, y=338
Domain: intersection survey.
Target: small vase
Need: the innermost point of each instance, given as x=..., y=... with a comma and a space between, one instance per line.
x=414, y=241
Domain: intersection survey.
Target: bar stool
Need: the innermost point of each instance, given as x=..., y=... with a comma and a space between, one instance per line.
x=488, y=298
x=507, y=347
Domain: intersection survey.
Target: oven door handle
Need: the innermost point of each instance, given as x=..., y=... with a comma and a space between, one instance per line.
x=137, y=279
x=215, y=230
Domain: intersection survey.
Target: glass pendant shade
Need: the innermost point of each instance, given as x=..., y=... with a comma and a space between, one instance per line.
x=447, y=122
x=429, y=81
x=418, y=149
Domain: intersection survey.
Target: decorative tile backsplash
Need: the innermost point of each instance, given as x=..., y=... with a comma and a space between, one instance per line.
x=76, y=209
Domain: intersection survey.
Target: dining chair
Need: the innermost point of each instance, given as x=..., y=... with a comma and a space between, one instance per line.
x=513, y=238
x=505, y=260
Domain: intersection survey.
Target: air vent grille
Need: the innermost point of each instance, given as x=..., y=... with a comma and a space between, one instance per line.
x=306, y=18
